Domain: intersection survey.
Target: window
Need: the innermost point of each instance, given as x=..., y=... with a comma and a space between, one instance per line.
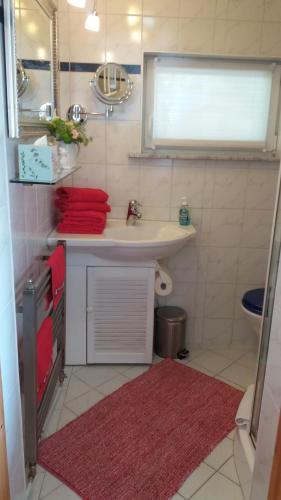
x=193, y=102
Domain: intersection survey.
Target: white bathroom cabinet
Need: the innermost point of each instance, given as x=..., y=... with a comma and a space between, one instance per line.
x=110, y=310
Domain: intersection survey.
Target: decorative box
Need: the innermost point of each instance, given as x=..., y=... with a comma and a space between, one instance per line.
x=37, y=163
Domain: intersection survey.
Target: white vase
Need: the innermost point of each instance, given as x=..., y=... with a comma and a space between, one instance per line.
x=68, y=154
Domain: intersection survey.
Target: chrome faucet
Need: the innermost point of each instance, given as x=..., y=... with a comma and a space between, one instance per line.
x=133, y=214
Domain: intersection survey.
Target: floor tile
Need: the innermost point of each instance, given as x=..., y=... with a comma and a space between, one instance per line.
x=85, y=402
x=177, y=497
x=231, y=435
x=51, y=423
x=76, y=387
x=65, y=417
x=240, y=375
x=196, y=480
x=50, y=483
x=229, y=470
x=96, y=375
x=34, y=488
x=230, y=352
x=113, y=385
x=228, y=382
x=220, y=454
x=249, y=360
x=135, y=371
x=219, y=488
x=193, y=364
x=212, y=362
x=62, y=493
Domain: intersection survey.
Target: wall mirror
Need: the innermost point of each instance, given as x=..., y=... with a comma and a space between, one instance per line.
x=112, y=84
x=31, y=64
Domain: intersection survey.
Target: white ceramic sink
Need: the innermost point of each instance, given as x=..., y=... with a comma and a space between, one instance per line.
x=148, y=240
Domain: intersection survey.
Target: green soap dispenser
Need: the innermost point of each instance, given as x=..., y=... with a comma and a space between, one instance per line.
x=184, y=215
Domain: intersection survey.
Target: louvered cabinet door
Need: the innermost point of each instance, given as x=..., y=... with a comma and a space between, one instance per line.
x=120, y=306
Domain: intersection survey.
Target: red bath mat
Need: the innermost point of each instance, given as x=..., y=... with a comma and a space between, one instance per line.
x=143, y=441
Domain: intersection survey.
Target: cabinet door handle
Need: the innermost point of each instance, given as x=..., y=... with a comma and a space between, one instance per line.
x=89, y=309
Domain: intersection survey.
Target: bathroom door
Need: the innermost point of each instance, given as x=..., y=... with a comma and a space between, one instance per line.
x=274, y=256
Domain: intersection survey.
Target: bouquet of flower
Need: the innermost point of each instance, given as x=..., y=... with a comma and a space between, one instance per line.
x=68, y=131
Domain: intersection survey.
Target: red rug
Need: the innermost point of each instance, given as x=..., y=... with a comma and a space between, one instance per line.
x=143, y=441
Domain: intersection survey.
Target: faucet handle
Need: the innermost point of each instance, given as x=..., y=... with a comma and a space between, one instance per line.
x=135, y=203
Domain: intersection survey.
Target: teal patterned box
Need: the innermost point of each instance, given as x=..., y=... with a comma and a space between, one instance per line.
x=37, y=163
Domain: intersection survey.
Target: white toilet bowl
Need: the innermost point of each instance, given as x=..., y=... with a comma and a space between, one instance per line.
x=252, y=306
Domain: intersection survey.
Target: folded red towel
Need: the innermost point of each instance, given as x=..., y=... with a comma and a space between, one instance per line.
x=57, y=264
x=44, y=355
x=79, y=229
x=82, y=194
x=64, y=205
x=85, y=216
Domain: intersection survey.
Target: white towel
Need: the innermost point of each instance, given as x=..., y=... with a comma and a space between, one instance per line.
x=244, y=412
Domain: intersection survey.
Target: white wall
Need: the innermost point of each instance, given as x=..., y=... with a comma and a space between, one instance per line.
x=8, y=336
x=232, y=202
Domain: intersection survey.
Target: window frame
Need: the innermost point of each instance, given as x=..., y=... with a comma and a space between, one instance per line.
x=166, y=146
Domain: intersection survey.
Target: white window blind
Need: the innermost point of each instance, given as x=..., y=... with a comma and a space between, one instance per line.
x=211, y=104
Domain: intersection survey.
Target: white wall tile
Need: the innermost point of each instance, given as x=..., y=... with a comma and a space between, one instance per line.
x=237, y=37
x=122, y=183
x=229, y=186
x=123, y=39
x=201, y=8
x=160, y=33
x=122, y=137
x=188, y=180
x=155, y=186
x=196, y=35
x=85, y=45
x=163, y=8
x=124, y=7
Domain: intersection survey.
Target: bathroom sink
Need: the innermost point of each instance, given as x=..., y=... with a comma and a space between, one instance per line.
x=148, y=240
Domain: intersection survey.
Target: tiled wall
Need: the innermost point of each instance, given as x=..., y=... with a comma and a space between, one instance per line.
x=232, y=202
x=271, y=402
x=8, y=337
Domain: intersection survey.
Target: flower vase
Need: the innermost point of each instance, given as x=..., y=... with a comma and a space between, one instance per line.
x=68, y=154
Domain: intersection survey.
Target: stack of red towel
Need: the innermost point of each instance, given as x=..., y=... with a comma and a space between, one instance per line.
x=83, y=210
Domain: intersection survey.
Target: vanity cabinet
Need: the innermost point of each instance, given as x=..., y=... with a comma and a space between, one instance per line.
x=110, y=310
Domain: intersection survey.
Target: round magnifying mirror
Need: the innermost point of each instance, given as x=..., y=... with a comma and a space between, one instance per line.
x=22, y=79
x=112, y=84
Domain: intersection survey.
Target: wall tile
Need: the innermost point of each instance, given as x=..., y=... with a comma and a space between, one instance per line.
x=163, y=8
x=188, y=181
x=245, y=10
x=271, y=39
x=85, y=45
x=201, y=8
x=155, y=184
x=219, y=301
x=93, y=175
x=124, y=7
x=160, y=33
x=256, y=231
x=123, y=39
x=261, y=188
x=95, y=151
x=217, y=331
x=221, y=227
x=122, y=137
x=252, y=265
x=122, y=183
x=272, y=10
x=237, y=38
x=222, y=265
x=229, y=187
x=196, y=35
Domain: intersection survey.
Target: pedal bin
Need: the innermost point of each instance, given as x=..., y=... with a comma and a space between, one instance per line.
x=170, y=332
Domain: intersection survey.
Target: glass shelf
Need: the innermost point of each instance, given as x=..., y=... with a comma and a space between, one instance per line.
x=62, y=175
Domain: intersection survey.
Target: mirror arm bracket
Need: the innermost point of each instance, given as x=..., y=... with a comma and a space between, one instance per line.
x=78, y=113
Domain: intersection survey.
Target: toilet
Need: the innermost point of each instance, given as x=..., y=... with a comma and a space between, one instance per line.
x=252, y=305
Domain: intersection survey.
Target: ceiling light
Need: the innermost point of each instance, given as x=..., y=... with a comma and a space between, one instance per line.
x=77, y=3
x=92, y=22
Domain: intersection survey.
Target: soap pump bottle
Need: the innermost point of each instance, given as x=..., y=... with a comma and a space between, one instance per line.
x=184, y=216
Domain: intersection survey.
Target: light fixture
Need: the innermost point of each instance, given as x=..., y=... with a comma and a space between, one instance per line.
x=77, y=3
x=92, y=22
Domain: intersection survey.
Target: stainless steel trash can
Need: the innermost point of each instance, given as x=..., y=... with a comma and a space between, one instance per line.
x=170, y=332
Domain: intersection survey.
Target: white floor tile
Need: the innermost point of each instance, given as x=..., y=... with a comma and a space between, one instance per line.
x=231, y=435
x=228, y=382
x=84, y=402
x=50, y=483
x=196, y=480
x=76, y=387
x=220, y=454
x=219, y=488
x=96, y=375
x=65, y=417
x=51, y=423
x=177, y=497
x=113, y=385
x=212, y=362
x=193, y=364
x=34, y=488
x=62, y=493
x=240, y=375
x=249, y=360
x=229, y=470
x=230, y=352
x=135, y=371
